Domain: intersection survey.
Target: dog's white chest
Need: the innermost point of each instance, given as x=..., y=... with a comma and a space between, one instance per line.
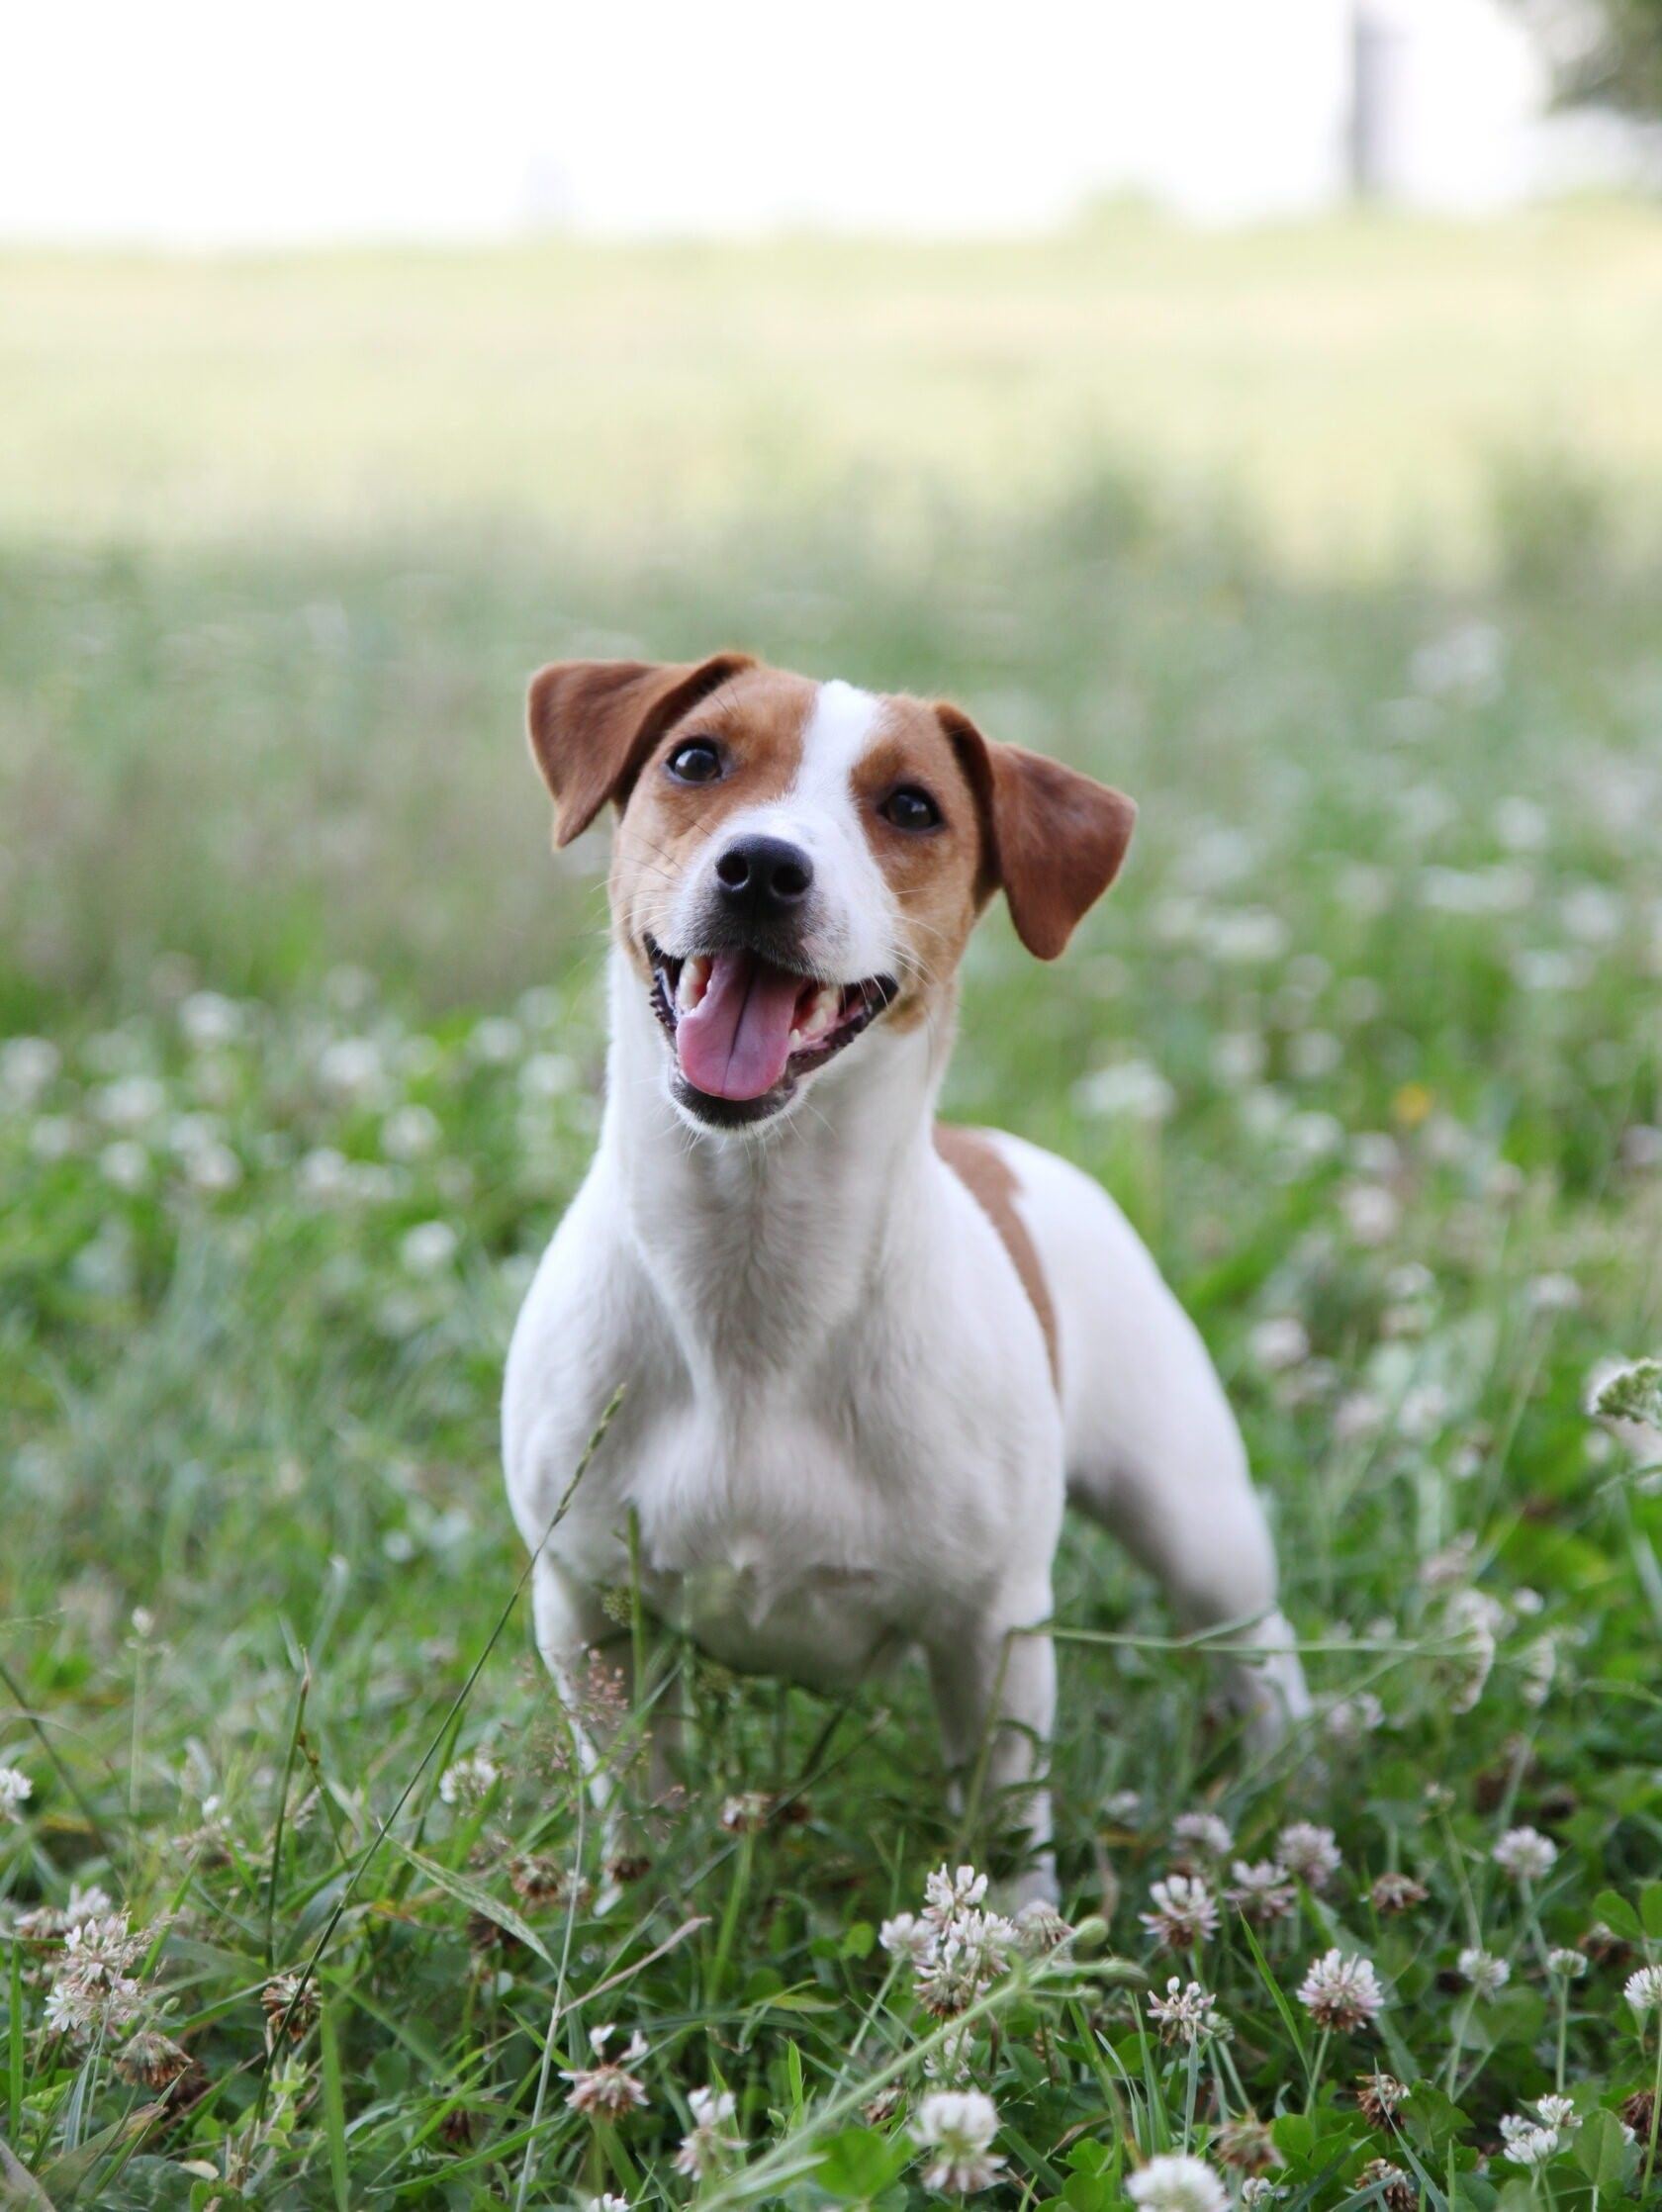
x=762, y=1541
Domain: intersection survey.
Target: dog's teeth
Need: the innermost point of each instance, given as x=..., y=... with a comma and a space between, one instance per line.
x=794, y=1039
x=695, y=982
x=822, y=1011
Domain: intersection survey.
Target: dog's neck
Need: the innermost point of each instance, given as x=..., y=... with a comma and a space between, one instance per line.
x=761, y=1242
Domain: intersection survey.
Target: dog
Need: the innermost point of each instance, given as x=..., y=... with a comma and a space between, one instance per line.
x=865, y=1357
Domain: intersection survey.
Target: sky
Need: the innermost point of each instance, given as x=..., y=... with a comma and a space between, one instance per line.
x=189, y=124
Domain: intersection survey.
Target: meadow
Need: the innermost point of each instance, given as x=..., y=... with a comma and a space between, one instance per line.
x=1343, y=551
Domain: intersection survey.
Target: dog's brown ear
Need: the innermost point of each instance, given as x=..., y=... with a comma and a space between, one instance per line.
x=1052, y=838
x=594, y=723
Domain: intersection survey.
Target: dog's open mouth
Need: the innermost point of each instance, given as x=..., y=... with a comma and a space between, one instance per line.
x=744, y=1027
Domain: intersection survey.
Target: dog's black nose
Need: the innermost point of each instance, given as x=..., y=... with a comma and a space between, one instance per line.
x=764, y=879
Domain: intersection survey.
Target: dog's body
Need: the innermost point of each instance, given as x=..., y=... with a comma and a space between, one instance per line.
x=863, y=1359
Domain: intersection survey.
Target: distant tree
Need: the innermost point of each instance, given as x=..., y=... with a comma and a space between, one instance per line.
x=1608, y=51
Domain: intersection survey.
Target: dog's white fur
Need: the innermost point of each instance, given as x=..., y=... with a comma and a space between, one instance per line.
x=840, y=1436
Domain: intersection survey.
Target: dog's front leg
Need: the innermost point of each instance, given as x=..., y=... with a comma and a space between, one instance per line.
x=994, y=1686
x=593, y=1665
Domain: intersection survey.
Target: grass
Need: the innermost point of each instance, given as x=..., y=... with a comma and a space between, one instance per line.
x=1354, y=382
x=305, y=1049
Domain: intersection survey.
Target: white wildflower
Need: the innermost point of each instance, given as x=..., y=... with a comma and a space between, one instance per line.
x=1643, y=1990
x=496, y=1041
x=607, y=2090
x=1203, y=1832
x=351, y=1067
x=956, y=2128
x=1372, y=1212
x=1260, y=1892
x=1566, y=1964
x=1280, y=1343
x=409, y=1133
x=1525, y=2144
x=469, y=1781
x=954, y=1948
x=1486, y=1973
x=701, y=2149
x=29, y=1067
x=16, y=1790
x=429, y=1248
x=1351, y=1718
x=1559, y=2112
x=1258, y=2192
x=125, y=1165
x=1342, y=1992
x=1526, y=1854
x=908, y=1937
x=213, y=1168
x=1186, y=2014
x=1310, y=1852
x=1184, y=1913
x=1133, y=1089
x=209, y=1020
x=1177, y=2183
x=129, y=1103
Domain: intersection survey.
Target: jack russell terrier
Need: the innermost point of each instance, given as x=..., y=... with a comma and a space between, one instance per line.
x=866, y=1356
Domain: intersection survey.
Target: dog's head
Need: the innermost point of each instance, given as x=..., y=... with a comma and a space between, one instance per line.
x=797, y=860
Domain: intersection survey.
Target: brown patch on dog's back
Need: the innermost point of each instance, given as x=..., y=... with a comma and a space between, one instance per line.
x=986, y=1175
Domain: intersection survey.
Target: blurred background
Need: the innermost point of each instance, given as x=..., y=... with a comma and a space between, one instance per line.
x=1255, y=401
x=353, y=361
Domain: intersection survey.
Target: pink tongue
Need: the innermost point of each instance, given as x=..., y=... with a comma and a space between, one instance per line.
x=735, y=1042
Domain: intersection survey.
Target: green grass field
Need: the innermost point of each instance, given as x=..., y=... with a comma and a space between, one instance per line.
x=1340, y=550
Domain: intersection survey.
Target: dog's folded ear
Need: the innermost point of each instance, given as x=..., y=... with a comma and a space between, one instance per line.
x=1052, y=838
x=593, y=724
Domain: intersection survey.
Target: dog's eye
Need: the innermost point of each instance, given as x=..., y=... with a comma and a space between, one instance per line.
x=696, y=762
x=908, y=808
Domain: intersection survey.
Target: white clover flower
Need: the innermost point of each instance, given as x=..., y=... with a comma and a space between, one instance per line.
x=496, y=1041
x=93, y=1992
x=547, y=1075
x=702, y=2148
x=954, y=1948
x=125, y=1165
x=1342, y=1992
x=1041, y=1929
x=1124, y=1806
x=1528, y=2145
x=29, y=1067
x=1203, y=1832
x=429, y=1248
x=351, y=1067
x=1256, y=2191
x=1541, y=1667
x=1372, y=1212
x=1559, y=2112
x=213, y=1168
x=209, y=1020
x=1309, y=1852
x=607, y=2090
x=1487, y=1974
x=326, y=1178
x=607, y=2201
x=1184, y=1911
x=1261, y=1892
x=16, y=1790
x=1526, y=1854
x=129, y=1103
x=1186, y=2014
x=1351, y=1718
x=956, y=2128
x=1133, y=1089
x=946, y=1894
x=1280, y=1343
x=409, y=1133
x=1177, y=2183
x=908, y=1937
x=469, y=1781
x=1566, y=1964
x=1643, y=1990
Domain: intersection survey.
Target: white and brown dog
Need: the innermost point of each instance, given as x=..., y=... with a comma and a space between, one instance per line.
x=866, y=1356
